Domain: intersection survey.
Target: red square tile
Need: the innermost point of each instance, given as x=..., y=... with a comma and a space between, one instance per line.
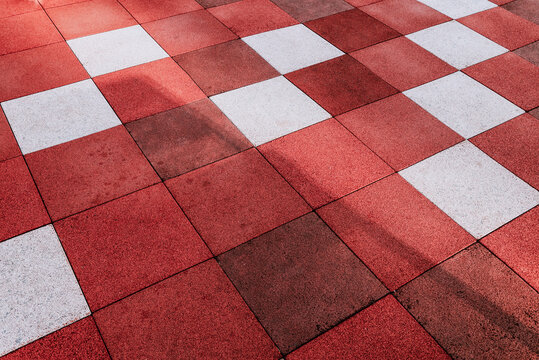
x=249, y=17
x=27, y=31
x=236, y=199
x=402, y=63
x=8, y=145
x=38, y=69
x=534, y=113
x=514, y=144
x=194, y=315
x=305, y=10
x=225, y=67
x=503, y=27
x=187, y=32
x=82, y=173
x=90, y=17
x=300, y=279
x=147, y=89
x=53, y=3
x=475, y=307
x=150, y=10
x=213, y=3
x=516, y=244
x=16, y=7
x=510, y=76
x=20, y=205
x=384, y=330
x=122, y=246
x=340, y=84
x=405, y=16
x=529, y=52
x=324, y=162
x=399, y=131
x=358, y=3
x=78, y=341
x=352, y=30
x=500, y=2
x=395, y=230
x=524, y=8
x=186, y=138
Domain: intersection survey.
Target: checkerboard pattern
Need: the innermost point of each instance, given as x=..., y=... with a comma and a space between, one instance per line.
x=269, y=179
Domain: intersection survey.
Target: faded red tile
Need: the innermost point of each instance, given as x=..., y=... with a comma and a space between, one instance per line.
x=16, y=7
x=225, y=67
x=186, y=138
x=352, y=30
x=20, y=205
x=475, y=307
x=249, y=17
x=78, y=341
x=300, y=280
x=236, y=199
x=89, y=171
x=146, y=89
x=402, y=63
x=150, y=10
x=38, y=69
x=529, y=52
x=324, y=162
x=503, y=27
x=340, y=84
x=53, y=3
x=187, y=32
x=510, y=76
x=384, y=330
x=196, y=314
x=8, y=145
x=399, y=131
x=305, y=10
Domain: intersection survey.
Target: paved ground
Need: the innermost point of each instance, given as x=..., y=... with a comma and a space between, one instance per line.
x=255, y=179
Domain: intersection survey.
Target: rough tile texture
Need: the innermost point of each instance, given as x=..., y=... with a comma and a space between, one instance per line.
x=305, y=10
x=524, y=8
x=8, y=145
x=529, y=52
x=459, y=8
x=149, y=10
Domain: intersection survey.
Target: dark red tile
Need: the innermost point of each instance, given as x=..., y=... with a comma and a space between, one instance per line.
x=38, y=69
x=534, y=113
x=225, y=67
x=352, y=30
x=90, y=17
x=503, y=27
x=300, y=280
x=249, y=17
x=405, y=16
x=399, y=131
x=20, y=205
x=82, y=173
x=16, y=7
x=194, y=315
x=187, y=32
x=324, y=162
x=529, y=52
x=213, y=3
x=476, y=307
x=358, y=3
x=236, y=199
x=150, y=10
x=384, y=330
x=27, y=31
x=8, y=145
x=514, y=144
x=527, y=9
x=186, y=138
x=402, y=63
x=305, y=10
x=147, y=89
x=78, y=341
x=125, y=245
x=510, y=76
x=341, y=84
x=395, y=230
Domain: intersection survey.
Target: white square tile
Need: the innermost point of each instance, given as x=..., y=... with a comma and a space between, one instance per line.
x=39, y=292
x=292, y=48
x=472, y=188
x=59, y=115
x=463, y=104
x=115, y=50
x=269, y=109
x=458, y=8
x=456, y=44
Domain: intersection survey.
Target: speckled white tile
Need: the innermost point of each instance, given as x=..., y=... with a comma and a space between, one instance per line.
x=269, y=109
x=458, y=8
x=472, y=188
x=115, y=50
x=292, y=48
x=456, y=44
x=59, y=115
x=463, y=104
x=39, y=292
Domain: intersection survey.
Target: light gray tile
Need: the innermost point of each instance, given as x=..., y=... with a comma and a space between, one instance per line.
x=459, y=8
